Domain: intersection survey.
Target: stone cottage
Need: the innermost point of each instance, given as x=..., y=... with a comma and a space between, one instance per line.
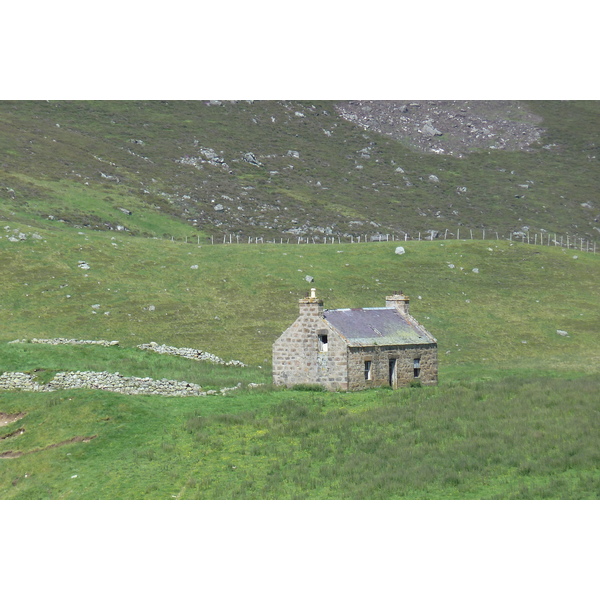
x=355, y=348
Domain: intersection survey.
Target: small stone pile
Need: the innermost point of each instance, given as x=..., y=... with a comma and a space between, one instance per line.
x=190, y=353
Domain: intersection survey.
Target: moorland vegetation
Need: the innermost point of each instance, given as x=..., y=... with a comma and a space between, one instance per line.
x=515, y=414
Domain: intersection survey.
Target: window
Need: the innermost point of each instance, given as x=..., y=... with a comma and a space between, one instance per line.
x=417, y=367
x=368, y=370
x=322, y=342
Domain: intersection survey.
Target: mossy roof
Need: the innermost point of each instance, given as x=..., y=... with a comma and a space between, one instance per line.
x=377, y=327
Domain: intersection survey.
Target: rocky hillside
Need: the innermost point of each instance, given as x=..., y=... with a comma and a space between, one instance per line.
x=452, y=128
x=312, y=169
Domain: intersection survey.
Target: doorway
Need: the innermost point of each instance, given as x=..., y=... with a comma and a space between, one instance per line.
x=392, y=373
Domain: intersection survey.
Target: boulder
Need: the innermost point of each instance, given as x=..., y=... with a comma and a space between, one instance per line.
x=429, y=129
x=250, y=158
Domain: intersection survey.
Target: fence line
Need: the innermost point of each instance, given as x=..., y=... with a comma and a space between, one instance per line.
x=536, y=238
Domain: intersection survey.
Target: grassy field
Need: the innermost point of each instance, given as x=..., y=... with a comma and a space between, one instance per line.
x=515, y=414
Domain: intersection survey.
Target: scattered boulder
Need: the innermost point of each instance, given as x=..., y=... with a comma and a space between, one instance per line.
x=250, y=158
x=430, y=130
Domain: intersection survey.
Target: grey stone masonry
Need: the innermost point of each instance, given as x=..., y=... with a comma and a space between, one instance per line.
x=394, y=366
x=314, y=351
x=310, y=351
x=113, y=382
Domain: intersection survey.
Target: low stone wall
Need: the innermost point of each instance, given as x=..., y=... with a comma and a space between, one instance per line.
x=190, y=353
x=115, y=382
x=58, y=341
x=20, y=381
x=112, y=382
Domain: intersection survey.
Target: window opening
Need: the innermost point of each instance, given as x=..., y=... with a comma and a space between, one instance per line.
x=322, y=342
x=368, y=370
x=417, y=367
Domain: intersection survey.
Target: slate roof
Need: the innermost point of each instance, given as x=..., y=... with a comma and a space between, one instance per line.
x=377, y=326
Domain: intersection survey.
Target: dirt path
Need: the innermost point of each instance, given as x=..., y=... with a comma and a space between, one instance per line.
x=7, y=419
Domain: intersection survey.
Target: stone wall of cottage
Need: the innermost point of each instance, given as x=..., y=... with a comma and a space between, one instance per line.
x=297, y=357
x=380, y=365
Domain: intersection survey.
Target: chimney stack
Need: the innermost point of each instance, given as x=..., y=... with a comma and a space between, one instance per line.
x=398, y=301
x=311, y=305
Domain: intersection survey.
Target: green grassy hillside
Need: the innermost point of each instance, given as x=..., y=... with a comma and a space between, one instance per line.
x=490, y=301
x=108, y=211
x=515, y=414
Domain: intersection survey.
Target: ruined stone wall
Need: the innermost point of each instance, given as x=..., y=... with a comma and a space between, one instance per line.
x=112, y=382
x=380, y=365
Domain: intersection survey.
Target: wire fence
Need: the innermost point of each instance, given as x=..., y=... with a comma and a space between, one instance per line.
x=540, y=238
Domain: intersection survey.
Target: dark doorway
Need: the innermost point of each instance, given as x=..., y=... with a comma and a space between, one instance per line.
x=392, y=373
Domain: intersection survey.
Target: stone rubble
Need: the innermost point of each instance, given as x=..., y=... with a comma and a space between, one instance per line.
x=112, y=382
x=190, y=353
x=58, y=341
x=115, y=382
x=450, y=127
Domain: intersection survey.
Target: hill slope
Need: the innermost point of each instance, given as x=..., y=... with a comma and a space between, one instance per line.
x=515, y=414
x=98, y=241
x=303, y=168
x=482, y=299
